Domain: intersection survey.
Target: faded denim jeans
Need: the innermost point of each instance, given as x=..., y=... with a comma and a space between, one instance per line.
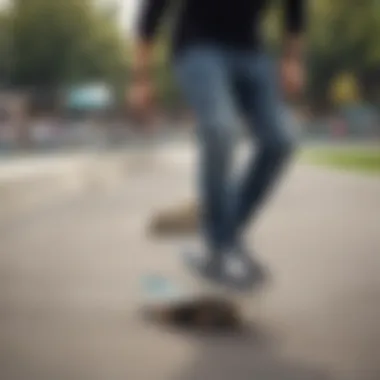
x=221, y=85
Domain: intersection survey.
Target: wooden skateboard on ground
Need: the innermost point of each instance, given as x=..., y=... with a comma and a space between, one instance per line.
x=171, y=302
x=179, y=220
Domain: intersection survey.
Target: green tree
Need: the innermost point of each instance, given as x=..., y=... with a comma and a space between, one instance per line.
x=62, y=41
x=5, y=47
x=343, y=37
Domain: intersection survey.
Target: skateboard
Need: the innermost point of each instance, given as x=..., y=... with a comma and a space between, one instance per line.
x=172, y=302
x=179, y=220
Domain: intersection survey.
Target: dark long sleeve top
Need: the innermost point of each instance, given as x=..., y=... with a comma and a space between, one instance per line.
x=235, y=23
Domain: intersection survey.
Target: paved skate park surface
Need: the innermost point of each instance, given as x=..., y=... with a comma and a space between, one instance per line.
x=70, y=272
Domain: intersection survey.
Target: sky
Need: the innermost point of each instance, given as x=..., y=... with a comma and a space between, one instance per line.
x=128, y=9
x=6, y=2
x=130, y=12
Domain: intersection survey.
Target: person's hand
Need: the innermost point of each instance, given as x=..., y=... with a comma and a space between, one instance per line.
x=292, y=76
x=140, y=98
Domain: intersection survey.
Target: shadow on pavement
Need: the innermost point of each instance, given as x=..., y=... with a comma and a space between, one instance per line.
x=245, y=357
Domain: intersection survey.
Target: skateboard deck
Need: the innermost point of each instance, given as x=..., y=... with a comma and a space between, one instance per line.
x=179, y=220
x=172, y=302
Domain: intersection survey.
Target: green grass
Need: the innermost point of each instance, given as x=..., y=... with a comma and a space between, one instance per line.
x=366, y=160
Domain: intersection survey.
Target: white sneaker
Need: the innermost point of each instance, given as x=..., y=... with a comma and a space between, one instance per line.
x=234, y=267
x=205, y=264
x=242, y=272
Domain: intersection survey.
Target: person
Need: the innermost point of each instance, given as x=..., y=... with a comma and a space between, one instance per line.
x=221, y=64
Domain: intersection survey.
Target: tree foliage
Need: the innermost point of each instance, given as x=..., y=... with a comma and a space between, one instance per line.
x=58, y=42
x=343, y=37
x=62, y=41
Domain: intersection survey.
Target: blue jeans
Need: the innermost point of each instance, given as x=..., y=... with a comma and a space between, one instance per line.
x=221, y=85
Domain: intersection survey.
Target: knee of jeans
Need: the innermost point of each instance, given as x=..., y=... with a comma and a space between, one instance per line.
x=217, y=135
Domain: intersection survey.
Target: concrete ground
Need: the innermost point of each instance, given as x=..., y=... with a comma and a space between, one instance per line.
x=69, y=285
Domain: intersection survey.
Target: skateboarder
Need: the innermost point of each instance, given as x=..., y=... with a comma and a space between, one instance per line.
x=222, y=67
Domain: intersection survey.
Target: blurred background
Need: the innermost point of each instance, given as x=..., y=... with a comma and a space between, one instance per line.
x=64, y=68
x=82, y=190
